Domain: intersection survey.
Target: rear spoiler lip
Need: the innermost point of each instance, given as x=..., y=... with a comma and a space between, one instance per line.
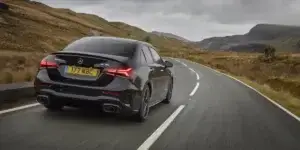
x=120, y=59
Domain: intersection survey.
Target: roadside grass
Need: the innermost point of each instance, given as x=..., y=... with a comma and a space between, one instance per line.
x=285, y=99
x=18, y=66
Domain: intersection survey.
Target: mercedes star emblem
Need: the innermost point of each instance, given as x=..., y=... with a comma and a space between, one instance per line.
x=80, y=61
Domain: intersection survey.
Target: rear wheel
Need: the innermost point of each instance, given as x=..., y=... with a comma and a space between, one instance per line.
x=167, y=100
x=142, y=115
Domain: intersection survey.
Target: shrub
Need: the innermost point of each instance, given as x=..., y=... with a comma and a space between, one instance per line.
x=147, y=39
x=269, y=53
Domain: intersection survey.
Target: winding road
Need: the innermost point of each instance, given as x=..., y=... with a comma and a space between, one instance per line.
x=209, y=111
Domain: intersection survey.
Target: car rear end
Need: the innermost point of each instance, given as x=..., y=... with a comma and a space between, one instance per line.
x=84, y=75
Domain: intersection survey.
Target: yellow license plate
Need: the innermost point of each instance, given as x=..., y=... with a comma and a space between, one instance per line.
x=82, y=71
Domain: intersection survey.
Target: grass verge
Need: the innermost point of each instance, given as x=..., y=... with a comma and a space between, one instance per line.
x=285, y=99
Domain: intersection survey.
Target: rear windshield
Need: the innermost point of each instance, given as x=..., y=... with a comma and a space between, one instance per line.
x=104, y=46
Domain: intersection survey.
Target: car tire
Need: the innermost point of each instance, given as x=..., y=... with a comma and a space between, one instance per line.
x=143, y=112
x=168, y=98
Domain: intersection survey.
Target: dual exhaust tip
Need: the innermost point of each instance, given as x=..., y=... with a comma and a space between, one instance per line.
x=43, y=99
x=107, y=107
x=111, y=108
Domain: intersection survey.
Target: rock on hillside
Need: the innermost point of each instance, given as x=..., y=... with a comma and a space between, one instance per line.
x=283, y=37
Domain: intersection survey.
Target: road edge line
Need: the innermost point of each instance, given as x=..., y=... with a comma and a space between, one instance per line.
x=266, y=97
x=157, y=133
x=18, y=108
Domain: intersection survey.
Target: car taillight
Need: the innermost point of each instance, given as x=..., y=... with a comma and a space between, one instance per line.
x=125, y=72
x=48, y=62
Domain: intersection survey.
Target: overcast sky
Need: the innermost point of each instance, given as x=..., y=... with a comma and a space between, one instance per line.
x=192, y=19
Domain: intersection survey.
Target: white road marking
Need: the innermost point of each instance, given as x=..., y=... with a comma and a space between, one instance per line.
x=198, y=78
x=184, y=64
x=18, y=108
x=177, y=60
x=266, y=97
x=192, y=69
x=195, y=89
x=157, y=133
x=197, y=85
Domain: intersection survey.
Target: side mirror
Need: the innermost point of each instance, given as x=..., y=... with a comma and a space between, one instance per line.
x=168, y=64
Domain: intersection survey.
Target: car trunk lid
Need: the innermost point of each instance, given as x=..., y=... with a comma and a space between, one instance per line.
x=84, y=68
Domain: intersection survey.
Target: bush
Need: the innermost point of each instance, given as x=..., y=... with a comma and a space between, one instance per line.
x=147, y=39
x=269, y=52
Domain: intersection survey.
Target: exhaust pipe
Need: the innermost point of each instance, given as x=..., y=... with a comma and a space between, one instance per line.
x=43, y=99
x=111, y=108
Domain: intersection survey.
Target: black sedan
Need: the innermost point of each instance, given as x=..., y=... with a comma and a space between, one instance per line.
x=115, y=75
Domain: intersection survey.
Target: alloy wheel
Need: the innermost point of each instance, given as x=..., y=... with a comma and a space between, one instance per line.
x=146, y=103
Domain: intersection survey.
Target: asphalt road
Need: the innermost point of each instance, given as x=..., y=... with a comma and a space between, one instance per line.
x=209, y=111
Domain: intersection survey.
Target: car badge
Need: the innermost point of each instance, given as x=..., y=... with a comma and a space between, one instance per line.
x=80, y=61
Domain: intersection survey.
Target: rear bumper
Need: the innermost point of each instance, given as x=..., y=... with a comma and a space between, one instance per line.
x=128, y=99
x=88, y=101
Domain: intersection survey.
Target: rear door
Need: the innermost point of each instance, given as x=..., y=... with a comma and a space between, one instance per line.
x=163, y=76
x=153, y=75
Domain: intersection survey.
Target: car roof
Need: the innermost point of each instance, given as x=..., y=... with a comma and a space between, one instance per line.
x=116, y=39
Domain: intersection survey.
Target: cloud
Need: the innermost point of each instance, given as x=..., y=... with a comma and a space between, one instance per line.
x=192, y=19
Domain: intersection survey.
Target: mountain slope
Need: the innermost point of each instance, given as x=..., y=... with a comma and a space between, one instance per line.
x=170, y=35
x=30, y=30
x=283, y=37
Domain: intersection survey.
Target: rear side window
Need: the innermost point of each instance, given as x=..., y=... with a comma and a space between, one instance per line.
x=104, y=46
x=142, y=58
x=148, y=55
x=156, y=56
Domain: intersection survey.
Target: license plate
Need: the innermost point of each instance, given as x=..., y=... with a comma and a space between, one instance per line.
x=74, y=70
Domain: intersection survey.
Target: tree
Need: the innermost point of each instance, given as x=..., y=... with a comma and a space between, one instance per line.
x=269, y=52
x=147, y=39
